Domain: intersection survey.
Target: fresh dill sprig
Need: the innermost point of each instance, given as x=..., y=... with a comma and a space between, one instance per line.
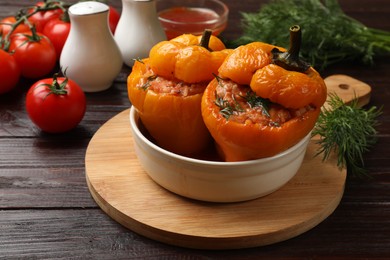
x=348, y=131
x=328, y=35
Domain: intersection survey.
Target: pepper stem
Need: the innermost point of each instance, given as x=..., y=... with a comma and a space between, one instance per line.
x=205, y=40
x=290, y=60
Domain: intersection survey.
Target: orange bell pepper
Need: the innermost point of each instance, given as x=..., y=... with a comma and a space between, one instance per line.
x=185, y=59
x=169, y=106
x=291, y=94
x=244, y=60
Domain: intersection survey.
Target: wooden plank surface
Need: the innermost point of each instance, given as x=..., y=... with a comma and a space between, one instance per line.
x=39, y=220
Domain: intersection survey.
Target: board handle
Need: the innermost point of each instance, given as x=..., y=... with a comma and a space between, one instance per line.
x=348, y=89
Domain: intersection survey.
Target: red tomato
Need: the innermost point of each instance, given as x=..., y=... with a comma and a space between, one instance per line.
x=39, y=19
x=57, y=30
x=9, y=72
x=113, y=18
x=55, y=105
x=36, y=57
x=6, y=24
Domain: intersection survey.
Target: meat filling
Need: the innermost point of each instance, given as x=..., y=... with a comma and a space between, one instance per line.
x=239, y=103
x=159, y=84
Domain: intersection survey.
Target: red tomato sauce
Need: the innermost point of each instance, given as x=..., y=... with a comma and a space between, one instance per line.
x=189, y=20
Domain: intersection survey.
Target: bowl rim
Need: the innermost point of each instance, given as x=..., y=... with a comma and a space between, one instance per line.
x=222, y=18
x=134, y=125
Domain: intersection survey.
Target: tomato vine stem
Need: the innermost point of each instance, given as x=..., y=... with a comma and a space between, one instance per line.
x=22, y=17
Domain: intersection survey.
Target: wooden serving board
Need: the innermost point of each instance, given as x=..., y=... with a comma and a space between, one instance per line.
x=124, y=191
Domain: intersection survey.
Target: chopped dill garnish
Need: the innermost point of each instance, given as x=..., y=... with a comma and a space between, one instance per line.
x=348, y=131
x=147, y=84
x=255, y=101
x=226, y=109
x=219, y=80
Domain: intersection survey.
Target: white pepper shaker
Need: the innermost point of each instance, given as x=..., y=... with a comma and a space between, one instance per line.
x=90, y=55
x=138, y=29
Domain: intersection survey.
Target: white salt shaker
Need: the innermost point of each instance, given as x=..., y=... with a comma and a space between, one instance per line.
x=138, y=29
x=90, y=55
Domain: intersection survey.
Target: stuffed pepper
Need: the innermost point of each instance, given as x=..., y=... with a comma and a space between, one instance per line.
x=263, y=101
x=167, y=89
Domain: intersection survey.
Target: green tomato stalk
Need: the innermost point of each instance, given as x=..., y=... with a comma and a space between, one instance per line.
x=22, y=17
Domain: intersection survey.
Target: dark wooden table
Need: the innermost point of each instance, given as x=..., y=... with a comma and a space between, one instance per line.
x=46, y=210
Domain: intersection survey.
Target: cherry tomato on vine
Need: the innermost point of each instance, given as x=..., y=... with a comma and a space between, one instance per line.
x=40, y=19
x=9, y=72
x=34, y=54
x=113, y=18
x=6, y=24
x=57, y=30
x=55, y=105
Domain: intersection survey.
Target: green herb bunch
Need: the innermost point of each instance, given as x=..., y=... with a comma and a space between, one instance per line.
x=328, y=34
x=348, y=131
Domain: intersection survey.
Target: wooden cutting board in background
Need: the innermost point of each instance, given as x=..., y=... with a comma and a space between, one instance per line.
x=348, y=89
x=124, y=191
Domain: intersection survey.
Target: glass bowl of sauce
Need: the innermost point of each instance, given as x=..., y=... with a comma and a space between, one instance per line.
x=179, y=17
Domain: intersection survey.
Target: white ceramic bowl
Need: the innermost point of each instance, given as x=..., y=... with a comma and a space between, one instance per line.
x=215, y=181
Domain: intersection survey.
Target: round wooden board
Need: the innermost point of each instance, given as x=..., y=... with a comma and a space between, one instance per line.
x=124, y=191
